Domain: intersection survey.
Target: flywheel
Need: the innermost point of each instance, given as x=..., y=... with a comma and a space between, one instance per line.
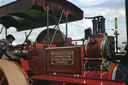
x=12, y=74
x=54, y=35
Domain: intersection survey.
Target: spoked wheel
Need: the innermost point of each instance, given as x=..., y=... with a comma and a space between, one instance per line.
x=12, y=74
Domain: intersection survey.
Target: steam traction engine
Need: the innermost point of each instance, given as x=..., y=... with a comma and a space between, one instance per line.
x=53, y=59
x=91, y=63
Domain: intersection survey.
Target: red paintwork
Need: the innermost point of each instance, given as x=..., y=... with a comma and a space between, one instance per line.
x=96, y=49
x=36, y=64
x=37, y=60
x=77, y=80
x=39, y=63
x=82, y=62
x=24, y=4
x=24, y=64
x=73, y=66
x=96, y=75
x=61, y=43
x=105, y=75
x=111, y=70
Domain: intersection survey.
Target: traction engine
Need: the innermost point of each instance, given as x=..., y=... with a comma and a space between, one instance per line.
x=67, y=63
x=53, y=59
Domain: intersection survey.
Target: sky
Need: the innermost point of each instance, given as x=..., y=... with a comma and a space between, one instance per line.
x=3, y=2
x=107, y=8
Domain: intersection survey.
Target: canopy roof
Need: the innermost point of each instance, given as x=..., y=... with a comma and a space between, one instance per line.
x=30, y=14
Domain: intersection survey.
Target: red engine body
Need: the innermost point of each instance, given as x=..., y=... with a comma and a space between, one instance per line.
x=70, y=64
x=94, y=45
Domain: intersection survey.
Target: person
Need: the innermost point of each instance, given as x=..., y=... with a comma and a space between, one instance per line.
x=4, y=44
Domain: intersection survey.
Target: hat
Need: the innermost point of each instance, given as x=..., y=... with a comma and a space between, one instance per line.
x=10, y=36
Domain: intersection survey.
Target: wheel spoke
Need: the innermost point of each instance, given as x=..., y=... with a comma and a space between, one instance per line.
x=2, y=79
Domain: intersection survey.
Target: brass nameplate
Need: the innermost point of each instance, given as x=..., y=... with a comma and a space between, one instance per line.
x=62, y=58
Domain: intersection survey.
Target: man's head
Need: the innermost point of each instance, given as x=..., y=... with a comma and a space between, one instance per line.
x=10, y=38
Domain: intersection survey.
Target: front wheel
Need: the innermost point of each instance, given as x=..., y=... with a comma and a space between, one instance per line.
x=11, y=73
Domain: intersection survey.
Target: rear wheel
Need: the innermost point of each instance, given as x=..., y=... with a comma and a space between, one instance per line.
x=12, y=74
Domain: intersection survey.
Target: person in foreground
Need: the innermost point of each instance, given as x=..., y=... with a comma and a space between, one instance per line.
x=4, y=44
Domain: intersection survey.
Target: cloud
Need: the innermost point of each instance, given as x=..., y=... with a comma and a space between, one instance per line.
x=3, y=2
x=112, y=13
x=88, y=2
x=109, y=13
x=108, y=8
x=101, y=3
x=76, y=29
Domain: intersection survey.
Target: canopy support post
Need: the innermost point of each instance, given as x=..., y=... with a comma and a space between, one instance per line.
x=1, y=29
x=126, y=10
x=66, y=23
x=57, y=26
x=47, y=7
x=6, y=32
